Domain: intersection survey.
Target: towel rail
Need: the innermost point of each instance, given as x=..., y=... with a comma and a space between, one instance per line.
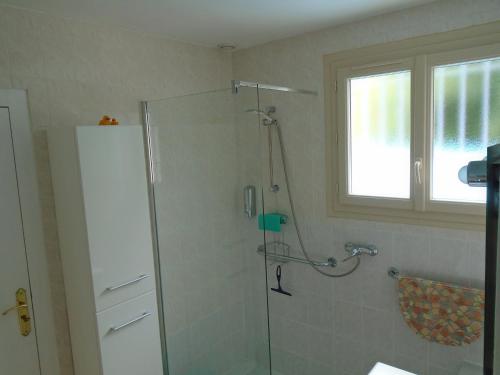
x=393, y=272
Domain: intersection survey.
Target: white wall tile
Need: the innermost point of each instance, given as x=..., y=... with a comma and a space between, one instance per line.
x=447, y=357
x=408, y=343
x=378, y=328
x=349, y=321
x=449, y=260
x=320, y=312
x=349, y=356
x=320, y=346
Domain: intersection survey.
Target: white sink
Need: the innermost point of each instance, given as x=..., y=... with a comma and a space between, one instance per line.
x=383, y=369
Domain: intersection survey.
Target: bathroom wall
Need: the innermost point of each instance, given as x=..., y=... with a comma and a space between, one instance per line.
x=343, y=326
x=74, y=73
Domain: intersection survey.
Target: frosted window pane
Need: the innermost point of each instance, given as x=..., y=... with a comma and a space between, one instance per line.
x=466, y=121
x=379, y=135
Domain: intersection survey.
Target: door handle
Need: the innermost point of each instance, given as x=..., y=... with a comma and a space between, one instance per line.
x=23, y=312
x=13, y=308
x=418, y=170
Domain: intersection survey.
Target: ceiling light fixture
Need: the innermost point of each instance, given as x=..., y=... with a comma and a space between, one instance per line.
x=226, y=46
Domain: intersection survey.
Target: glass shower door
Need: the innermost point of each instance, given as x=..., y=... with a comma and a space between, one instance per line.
x=205, y=151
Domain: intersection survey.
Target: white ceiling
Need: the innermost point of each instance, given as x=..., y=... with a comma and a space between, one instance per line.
x=210, y=22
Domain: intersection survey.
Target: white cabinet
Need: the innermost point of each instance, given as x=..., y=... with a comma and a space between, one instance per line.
x=101, y=194
x=115, y=199
x=127, y=329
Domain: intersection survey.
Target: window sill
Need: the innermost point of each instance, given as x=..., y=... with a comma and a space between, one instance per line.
x=405, y=216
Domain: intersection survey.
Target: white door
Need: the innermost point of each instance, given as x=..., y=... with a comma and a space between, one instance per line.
x=18, y=350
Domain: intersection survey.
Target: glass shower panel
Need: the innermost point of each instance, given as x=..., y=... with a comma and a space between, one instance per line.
x=300, y=325
x=206, y=151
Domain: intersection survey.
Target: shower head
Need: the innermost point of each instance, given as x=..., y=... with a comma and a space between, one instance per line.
x=263, y=114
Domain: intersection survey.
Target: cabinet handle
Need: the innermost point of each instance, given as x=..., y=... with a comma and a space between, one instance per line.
x=141, y=277
x=135, y=320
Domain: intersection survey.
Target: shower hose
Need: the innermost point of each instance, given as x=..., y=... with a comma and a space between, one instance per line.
x=294, y=216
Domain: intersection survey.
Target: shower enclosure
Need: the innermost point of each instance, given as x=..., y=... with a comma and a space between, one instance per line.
x=205, y=150
x=238, y=199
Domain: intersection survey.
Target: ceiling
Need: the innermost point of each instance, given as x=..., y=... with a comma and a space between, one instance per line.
x=210, y=22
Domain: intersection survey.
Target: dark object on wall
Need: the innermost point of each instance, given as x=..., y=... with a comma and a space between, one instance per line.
x=278, y=277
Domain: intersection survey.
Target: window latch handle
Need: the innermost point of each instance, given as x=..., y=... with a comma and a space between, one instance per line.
x=418, y=170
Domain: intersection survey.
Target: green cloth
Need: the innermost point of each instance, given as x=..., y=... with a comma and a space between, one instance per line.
x=272, y=222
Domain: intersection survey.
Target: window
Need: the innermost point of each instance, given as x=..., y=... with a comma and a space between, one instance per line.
x=403, y=118
x=379, y=135
x=466, y=118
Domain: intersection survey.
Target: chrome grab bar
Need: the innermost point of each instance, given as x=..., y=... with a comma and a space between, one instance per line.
x=136, y=280
x=135, y=320
x=330, y=262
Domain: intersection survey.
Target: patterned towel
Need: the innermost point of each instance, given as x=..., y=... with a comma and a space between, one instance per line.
x=440, y=312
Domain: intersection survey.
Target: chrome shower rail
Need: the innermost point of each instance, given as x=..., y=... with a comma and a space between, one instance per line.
x=235, y=85
x=330, y=262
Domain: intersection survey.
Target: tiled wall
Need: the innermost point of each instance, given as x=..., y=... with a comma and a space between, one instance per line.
x=76, y=72
x=342, y=326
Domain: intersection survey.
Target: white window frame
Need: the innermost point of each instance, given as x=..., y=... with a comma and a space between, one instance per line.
x=419, y=55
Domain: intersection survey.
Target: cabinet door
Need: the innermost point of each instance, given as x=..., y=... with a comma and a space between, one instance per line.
x=114, y=185
x=129, y=335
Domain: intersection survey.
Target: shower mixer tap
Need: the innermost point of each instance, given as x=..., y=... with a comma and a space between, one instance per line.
x=355, y=250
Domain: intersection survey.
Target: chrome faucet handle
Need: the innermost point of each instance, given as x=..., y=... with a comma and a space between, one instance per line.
x=354, y=250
